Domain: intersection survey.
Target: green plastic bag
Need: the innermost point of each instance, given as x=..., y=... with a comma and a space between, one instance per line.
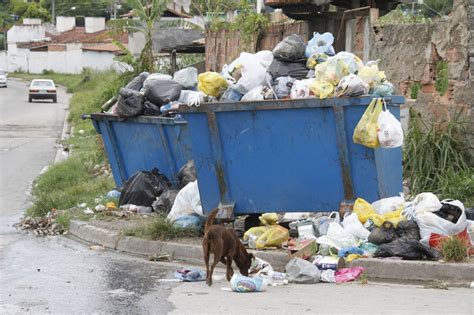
x=365, y=132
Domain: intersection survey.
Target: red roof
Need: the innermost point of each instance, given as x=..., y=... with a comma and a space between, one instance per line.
x=112, y=48
x=79, y=35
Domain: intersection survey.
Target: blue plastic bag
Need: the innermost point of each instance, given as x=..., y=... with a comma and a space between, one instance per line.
x=189, y=221
x=320, y=43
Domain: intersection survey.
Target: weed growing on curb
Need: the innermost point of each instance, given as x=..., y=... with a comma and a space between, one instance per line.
x=161, y=229
x=454, y=249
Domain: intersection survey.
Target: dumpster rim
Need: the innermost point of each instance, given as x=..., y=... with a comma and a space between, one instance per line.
x=139, y=119
x=311, y=102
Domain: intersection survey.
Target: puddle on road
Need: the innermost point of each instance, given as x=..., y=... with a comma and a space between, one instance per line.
x=129, y=282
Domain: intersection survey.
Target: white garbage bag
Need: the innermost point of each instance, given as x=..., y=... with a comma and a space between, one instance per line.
x=390, y=204
x=187, y=202
x=351, y=85
x=265, y=57
x=337, y=237
x=300, y=89
x=390, y=132
x=320, y=43
x=253, y=73
x=429, y=222
x=353, y=226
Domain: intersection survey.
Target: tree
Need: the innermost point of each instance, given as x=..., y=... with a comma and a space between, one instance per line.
x=435, y=7
x=149, y=13
x=36, y=11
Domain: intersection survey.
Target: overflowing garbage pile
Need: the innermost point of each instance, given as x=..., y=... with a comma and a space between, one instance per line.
x=293, y=70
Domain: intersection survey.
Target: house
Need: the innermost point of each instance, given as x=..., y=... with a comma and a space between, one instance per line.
x=34, y=47
x=175, y=28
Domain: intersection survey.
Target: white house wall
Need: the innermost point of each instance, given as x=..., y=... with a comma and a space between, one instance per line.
x=25, y=33
x=73, y=61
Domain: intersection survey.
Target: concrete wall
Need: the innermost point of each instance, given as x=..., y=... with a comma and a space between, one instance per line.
x=25, y=33
x=94, y=24
x=409, y=54
x=65, y=23
x=72, y=61
x=3, y=60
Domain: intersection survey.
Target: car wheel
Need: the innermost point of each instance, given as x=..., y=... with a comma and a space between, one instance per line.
x=30, y=99
x=55, y=99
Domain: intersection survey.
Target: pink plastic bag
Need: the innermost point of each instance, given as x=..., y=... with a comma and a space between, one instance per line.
x=348, y=274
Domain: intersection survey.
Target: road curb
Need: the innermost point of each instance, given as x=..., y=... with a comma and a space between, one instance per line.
x=390, y=270
x=416, y=270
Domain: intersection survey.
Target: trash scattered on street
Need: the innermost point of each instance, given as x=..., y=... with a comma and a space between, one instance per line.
x=190, y=275
x=302, y=271
x=164, y=257
x=348, y=274
x=243, y=284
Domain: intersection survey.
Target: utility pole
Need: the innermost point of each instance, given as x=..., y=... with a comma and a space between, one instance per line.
x=53, y=9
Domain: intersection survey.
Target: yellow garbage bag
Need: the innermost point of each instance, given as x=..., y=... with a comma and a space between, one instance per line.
x=316, y=59
x=274, y=237
x=331, y=71
x=363, y=209
x=371, y=75
x=321, y=89
x=212, y=83
x=394, y=217
x=255, y=232
x=365, y=132
x=268, y=218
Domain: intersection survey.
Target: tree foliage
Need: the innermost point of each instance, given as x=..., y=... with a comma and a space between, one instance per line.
x=148, y=13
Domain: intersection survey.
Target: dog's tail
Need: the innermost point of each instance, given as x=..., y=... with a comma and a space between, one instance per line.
x=210, y=220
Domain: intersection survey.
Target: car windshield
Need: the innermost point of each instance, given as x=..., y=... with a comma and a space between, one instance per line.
x=2, y=72
x=42, y=83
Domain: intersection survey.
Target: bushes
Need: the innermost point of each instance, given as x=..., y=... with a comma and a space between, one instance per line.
x=435, y=159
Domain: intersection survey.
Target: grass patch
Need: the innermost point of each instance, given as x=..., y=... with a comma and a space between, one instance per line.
x=442, y=83
x=80, y=178
x=436, y=159
x=63, y=219
x=161, y=229
x=454, y=249
x=70, y=81
x=414, y=90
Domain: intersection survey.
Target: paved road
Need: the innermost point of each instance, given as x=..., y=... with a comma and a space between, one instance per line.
x=55, y=274
x=61, y=276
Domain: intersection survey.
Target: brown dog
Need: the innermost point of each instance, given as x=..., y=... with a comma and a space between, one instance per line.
x=225, y=246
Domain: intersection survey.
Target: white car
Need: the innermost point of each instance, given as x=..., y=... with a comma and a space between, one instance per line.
x=42, y=89
x=3, y=78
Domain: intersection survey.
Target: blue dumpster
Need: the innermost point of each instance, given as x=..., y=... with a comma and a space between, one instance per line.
x=288, y=155
x=142, y=143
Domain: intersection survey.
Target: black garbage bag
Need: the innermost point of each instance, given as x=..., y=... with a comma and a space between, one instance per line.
x=449, y=212
x=151, y=109
x=137, y=83
x=130, y=103
x=297, y=69
x=161, y=91
x=383, y=234
x=408, y=229
x=143, y=187
x=406, y=248
x=165, y=201
x=187, y=174
x=290, y=48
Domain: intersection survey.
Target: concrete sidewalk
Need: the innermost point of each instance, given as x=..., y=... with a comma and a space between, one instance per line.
x=395, y=270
